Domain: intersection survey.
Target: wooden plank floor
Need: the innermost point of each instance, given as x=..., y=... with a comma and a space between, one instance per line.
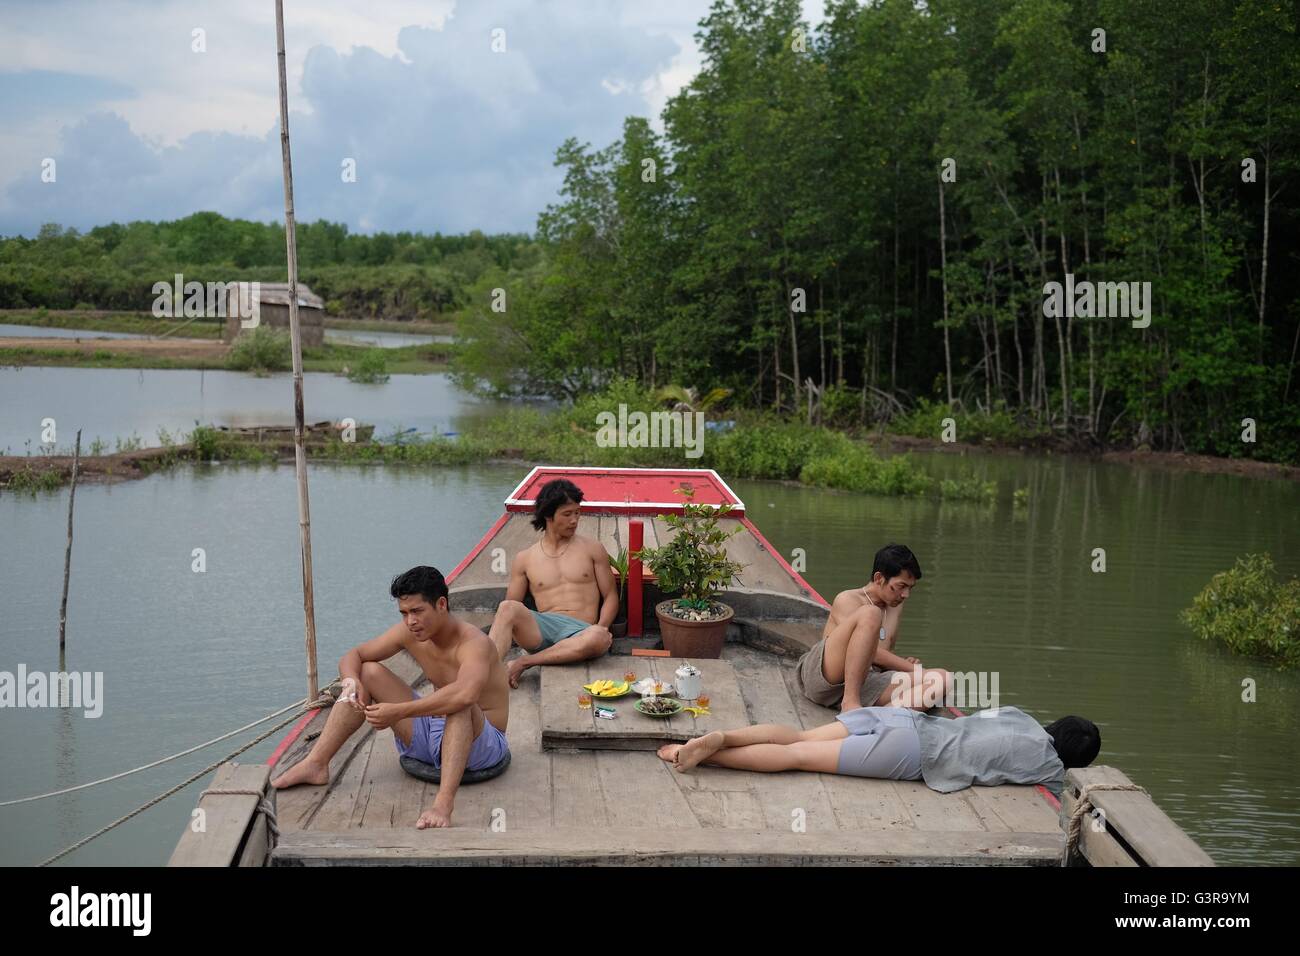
x=614, y=806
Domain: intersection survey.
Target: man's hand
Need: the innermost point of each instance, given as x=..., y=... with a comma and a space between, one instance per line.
x=381, y=716
x=354, y=694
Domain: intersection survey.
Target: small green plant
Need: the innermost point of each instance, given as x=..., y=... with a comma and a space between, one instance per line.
x=1250, y=612
x=695, y=561
x=134, y=443
x=619, y=563
x=97, y=447
x=30, y=481
x=371, y=369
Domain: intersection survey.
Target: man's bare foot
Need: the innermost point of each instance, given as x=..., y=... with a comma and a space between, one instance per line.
x=668, y=753
x=304, y=771
x=514, y=669
x=694, y=752
x=434, y=817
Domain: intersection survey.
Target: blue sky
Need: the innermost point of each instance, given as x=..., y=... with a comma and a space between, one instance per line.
x=446, y=134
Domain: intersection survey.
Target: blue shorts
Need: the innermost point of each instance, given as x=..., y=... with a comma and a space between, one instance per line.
x=488, y=750
x=882, y=743
x=556, y=627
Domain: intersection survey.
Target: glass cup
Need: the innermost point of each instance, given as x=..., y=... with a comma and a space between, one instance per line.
x=659, y=687
x=630, y=676
x=584, y=700
x=702, y=701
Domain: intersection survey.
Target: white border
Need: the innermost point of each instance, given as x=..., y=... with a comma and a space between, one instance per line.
x=738, y=507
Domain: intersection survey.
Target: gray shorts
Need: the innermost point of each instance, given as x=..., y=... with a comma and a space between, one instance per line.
x=882, y=743
x=814, y=685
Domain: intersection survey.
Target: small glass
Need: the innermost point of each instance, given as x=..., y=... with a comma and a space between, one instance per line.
x=659, y=688
x=584, y=700
x=630, y=676
x=702, y=701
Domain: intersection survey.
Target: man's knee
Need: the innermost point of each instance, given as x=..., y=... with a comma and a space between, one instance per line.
x=371, y=670
x=511, y=609
x=600, y=640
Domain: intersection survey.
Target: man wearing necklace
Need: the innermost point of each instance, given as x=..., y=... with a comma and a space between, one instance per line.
x=854, y=664
x=571, y=583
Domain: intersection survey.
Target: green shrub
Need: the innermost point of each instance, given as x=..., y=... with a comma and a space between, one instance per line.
x=1250, y=612
x=371, y=369
x=262, y=349
x=996, y=427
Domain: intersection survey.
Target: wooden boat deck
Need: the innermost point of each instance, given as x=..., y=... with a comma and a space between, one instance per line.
x=629, y=807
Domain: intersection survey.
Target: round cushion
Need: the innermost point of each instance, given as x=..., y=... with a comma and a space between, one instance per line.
x=427, y=771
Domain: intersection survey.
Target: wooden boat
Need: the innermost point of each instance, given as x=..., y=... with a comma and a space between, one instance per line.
x=314, y=433
x=578, y=792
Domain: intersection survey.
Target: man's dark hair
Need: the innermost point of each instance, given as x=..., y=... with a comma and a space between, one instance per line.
x=425, y=581
x=554, y=496
x=1077, y=741
x=893, y=559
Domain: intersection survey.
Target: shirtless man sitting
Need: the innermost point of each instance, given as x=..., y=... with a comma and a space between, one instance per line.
x=572, y=585
x=460, y=726
x=854, y=664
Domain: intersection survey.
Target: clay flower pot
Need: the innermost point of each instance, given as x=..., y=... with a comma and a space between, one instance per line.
x=698, y=639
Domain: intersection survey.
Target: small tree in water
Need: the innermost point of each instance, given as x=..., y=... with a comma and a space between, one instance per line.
x=1250, y=612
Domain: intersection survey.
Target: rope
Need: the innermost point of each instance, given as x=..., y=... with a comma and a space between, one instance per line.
x=1082, y=807
x=263, y=805
x=127, y=773
x=324, y=700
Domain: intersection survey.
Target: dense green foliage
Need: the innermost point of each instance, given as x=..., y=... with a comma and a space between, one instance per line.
x=262, y=349
x=695, y=561
x=1250, y=612
x=840, y=224
x=785, y=236
x=385, y=275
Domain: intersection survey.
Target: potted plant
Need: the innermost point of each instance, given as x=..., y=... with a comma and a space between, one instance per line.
x=619, y=563
x=695, y=563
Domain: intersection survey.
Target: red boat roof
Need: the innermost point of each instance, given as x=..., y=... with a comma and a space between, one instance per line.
x=629, y=490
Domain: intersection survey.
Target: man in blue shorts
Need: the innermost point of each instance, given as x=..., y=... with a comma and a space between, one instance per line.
x=460, y=725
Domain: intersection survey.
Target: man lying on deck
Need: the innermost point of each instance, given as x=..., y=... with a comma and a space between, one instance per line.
x=987, y=748
x=571, y=583
x=459, y=726
x=854, y=664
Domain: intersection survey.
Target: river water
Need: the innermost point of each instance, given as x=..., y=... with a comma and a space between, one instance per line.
x=187, y=655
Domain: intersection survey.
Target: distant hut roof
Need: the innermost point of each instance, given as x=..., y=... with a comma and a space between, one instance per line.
x=277, y=293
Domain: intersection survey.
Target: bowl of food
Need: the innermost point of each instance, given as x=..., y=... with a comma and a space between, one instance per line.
x=659, y=706
x=608, y=688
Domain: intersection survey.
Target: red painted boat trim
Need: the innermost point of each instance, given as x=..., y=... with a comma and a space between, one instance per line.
x=455, y=572
x=289, y=738
x=788, y=570
x=517, y=500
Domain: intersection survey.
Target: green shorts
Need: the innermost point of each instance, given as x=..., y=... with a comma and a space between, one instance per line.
x=556, y=627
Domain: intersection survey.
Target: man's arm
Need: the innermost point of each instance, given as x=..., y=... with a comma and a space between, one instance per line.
x=604, y=581
x=889, y=661
x=517, y=586
x=474, y=659
x=376, y=649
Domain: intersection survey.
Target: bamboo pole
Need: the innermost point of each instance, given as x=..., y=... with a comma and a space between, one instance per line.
x=67, y=555
x=299, y=450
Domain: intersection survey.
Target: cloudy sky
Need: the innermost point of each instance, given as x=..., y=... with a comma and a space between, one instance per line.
x=446, y=134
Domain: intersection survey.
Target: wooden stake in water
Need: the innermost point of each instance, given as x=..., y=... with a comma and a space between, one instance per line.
x=67, y=555
x=299, y=450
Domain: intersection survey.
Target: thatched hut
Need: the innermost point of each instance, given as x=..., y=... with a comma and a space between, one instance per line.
x=274, y=310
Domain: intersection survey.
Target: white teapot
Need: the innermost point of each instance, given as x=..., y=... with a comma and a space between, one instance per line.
x=688, y=681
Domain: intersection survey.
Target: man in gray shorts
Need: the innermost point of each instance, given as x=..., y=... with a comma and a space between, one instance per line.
x=992, y=747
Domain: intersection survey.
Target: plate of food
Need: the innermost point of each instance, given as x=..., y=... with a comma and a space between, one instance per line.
x=659, y=706
x=607, y=689
x=646, y=686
